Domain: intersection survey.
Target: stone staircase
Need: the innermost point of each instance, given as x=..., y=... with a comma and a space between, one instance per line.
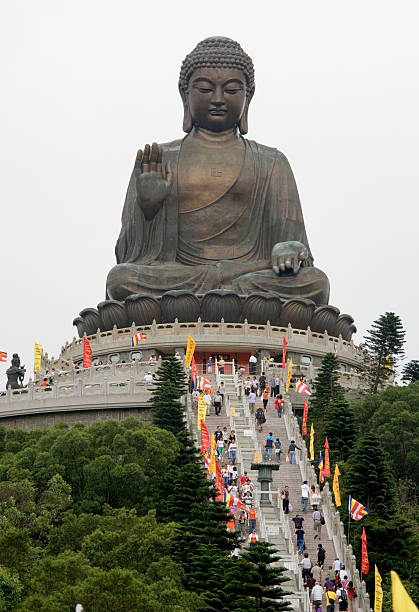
x=291, y=475
x=272, y=524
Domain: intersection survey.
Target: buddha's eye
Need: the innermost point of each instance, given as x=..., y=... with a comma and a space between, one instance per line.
x=232, y=91
x=204, y=90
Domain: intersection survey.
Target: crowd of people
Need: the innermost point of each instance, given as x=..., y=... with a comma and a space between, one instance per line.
x=337, y=591
x=241, y=487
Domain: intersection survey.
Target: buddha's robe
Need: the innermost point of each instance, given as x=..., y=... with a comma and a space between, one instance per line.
x=224, y=243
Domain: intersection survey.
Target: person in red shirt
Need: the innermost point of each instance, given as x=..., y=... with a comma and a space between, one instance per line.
x=245, y=478
x=279, y=405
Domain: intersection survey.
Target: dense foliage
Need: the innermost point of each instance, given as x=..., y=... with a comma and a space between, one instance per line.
x=120, y=516
x=376, y=444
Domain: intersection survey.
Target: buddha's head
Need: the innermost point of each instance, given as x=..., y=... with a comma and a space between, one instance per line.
x=216, y=84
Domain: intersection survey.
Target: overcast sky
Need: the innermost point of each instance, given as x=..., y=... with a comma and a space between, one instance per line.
x=85, y=84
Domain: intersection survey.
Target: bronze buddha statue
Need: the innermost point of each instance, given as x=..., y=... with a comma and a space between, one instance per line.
x=214, y=210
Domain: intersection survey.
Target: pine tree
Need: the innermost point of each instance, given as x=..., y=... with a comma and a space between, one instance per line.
x=170, y=387
x=340, y=429
x=326, y=388
x=368, y=478
x=327, y=391
x=255, y=580
x=384, y=343
x=411, y=371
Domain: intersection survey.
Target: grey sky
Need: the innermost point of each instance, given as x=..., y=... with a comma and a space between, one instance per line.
x=85, y=84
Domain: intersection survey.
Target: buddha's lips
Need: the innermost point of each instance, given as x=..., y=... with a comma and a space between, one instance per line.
x=217, y=111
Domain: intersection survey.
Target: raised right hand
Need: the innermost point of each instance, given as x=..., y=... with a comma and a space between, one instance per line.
x=153, y=181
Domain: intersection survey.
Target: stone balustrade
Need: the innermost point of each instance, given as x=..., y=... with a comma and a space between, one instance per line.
x=230, y=336
x=81, y=393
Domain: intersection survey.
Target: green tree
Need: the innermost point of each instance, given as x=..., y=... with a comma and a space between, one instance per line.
x=368, y=478
x=326, y=389
x=10, y=589
x=384, y=343
x=410, y=371
x=170, y=387
x=394, y=416
x=339, y=427
x=255, y=580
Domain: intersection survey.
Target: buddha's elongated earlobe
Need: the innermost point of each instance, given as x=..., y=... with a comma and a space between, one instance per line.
x=243, y=123
x=187, y=117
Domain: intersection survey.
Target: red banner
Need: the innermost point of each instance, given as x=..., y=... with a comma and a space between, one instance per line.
x=87, y=353
x=219, y=482
x=305, y=417
x=365, y=566
x=204, y=439
x=194, y=369
x=326, y=470
x=284, y=351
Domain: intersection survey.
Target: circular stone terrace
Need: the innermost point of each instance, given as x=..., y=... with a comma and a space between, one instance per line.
x=236, y=341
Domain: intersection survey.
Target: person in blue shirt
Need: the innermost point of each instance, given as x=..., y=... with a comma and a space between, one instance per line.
x=269, y=443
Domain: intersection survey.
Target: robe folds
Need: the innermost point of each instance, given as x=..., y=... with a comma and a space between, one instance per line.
x=226, y=243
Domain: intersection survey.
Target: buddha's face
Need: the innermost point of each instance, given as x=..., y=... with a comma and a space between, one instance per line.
x=217, y=98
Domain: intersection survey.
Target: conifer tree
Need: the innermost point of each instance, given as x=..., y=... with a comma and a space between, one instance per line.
x=255, y=580
x=368, y=478
x=384, y=343
x=170, y=387
x=327, y=391
x=411, y=371
x=339, y=427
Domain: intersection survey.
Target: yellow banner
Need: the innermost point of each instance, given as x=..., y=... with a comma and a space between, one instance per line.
x=401, y=599
x=336, y=489
x=287, y=386
x=212, y=456
x=312, y=443
x=37, y=358
x=233, y=411
x=190, y=349
x=256, y=458
x=378, y=598
x=202, y=411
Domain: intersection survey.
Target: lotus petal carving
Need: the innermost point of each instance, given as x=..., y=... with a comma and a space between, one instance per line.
x=182, y=305
x=79, y=323
x=221, y=304
x=113, y=313
x=298, y=312
x=324, y=319
x=142, y=309
x=345, y=327
x=262, y=307
x=92, y=320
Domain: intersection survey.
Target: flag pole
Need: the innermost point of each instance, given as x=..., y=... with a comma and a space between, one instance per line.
x=349, y=524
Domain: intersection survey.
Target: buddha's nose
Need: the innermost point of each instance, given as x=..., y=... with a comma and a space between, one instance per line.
x=218, y=97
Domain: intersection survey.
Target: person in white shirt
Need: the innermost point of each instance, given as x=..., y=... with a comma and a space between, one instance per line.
x=343, y=573
x=252, y=364
x=306, y=565
x=336, y=565
x=317, y=594
x=252, y=401
x=315, y=498
x=305, y=490
x=207, y=399
x=148, y=378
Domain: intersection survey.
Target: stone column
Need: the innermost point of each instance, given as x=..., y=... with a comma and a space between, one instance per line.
x=264, y=470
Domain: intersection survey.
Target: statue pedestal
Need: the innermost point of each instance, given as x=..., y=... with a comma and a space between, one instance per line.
x=264, y=470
